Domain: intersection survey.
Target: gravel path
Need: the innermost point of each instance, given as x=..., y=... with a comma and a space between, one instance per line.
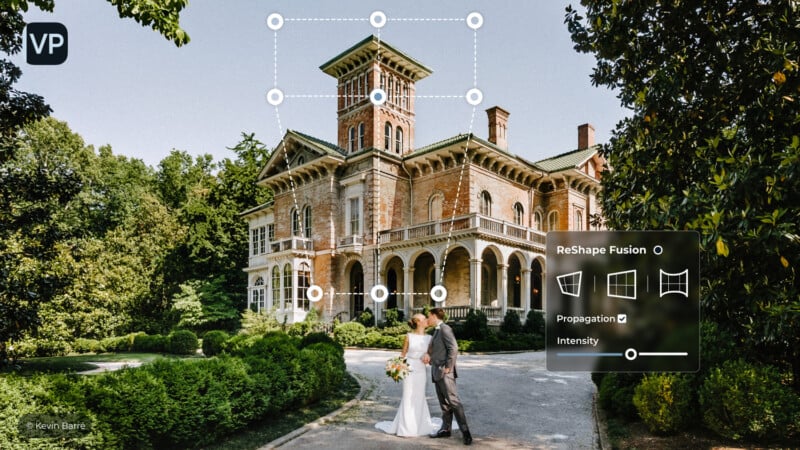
x=511, y=402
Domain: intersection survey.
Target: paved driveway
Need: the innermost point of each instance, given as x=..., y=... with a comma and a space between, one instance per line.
x=511, y=402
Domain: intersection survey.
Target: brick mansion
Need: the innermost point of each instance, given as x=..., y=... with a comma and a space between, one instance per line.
x=375, y=209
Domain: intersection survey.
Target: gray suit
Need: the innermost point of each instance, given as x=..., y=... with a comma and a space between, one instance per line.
x=443, y=351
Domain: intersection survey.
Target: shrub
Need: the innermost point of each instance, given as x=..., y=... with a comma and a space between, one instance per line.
x=134, y=404
x=476, y=326
x=397, y=330
x=534, y=323
x=366, y=318
x=393, y=317
x=349, y=333
x=616, y=394
x=664, y=402
x=316, y=337
x=182, y=342
x=259, y=322
x=82, y=345
x=120, y=343
x=155, y=343
x=372, y=339
x=213, y=342
x=276, y=346
x=742, y=400
x=511, y=323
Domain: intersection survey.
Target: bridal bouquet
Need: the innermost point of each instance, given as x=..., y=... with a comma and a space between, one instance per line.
x=397, y=368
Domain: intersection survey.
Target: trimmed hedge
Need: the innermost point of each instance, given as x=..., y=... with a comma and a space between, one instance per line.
x=350, y=333
x=182, y=342
x=616, y=394
x=214, y=342
x=183, y=403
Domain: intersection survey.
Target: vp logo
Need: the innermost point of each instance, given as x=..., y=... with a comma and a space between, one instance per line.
x=46, y=43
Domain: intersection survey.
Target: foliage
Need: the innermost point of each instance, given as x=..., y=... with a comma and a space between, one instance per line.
x=32, y=196
x=259, y=323
x=664, y=402
x=182, y=342
x=155, y=343
x=204, y=305
x=615, y=394
x=476, y=326
x=534, y=323
x=742, y=400
x=714, y=90
x=366, y=318
x=392, y=317
x=214, y=341
x=349, y=333
x=511, y=323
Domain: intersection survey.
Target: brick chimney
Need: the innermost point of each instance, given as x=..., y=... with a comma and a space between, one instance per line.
x=498, y=126
x=585, y=136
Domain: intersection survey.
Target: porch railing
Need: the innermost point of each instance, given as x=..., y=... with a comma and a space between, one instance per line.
x=475, y=221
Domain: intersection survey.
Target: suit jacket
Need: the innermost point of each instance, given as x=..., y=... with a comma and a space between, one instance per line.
x=443, y=351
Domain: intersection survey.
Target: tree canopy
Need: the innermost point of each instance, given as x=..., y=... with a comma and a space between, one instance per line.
x=712, y=144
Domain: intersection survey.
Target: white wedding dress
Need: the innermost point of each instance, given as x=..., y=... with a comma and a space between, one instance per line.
x=413, y=416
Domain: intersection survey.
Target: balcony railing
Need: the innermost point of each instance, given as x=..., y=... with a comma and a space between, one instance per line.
x=478, y=222
x=292, y=243
x=352, y=243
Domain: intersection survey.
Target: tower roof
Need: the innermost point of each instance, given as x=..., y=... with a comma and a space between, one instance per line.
x=366, y=50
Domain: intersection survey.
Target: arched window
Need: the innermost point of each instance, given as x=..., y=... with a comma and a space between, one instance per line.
x=303, y=282
x=361, y=129
x=486, y=204
x=351, y=139
x=537, y=220
x=435, y=206
x=295, y=222
x=387, y=136
x=307, y=222
x=257, y=295
x=398, y=143
x=287, y=286
x=578, y=220
x=518, y=213
x=276, y=286
x=552, y=221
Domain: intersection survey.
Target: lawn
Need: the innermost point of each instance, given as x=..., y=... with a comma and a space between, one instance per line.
x=79, y=363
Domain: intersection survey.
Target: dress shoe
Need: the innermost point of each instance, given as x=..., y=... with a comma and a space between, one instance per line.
x=441, y=434
x=467, y=438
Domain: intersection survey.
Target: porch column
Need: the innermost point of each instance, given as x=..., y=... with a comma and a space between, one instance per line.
x=294, y=292
x=475, y=283
x=525, y=290
x=408, y=288
x=502, y=287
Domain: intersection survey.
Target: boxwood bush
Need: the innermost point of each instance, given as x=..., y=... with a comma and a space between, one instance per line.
x=182, y=342
x=350, y=333
x=664, y=402
x=743, y=400
x=616, y=394
x=214, y=342
x=155, y=343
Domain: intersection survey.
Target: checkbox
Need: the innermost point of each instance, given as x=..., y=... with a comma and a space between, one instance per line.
x=622, y=318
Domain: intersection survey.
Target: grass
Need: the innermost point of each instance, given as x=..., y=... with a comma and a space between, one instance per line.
x=261, y=433
x=79, y=363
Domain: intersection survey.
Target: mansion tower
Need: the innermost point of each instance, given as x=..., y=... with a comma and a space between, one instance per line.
x=374, y=209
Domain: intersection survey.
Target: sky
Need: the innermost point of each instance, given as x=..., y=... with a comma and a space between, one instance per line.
x=127, y=86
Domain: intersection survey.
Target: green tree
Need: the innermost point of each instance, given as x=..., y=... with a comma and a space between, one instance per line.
x=29, y=229
x=713, y=87
x=205, y=305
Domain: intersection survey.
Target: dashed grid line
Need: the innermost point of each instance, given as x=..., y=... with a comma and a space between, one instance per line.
x=458, y=194
x=378, y=183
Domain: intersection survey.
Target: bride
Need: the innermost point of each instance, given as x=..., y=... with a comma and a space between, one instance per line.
x=413, y=416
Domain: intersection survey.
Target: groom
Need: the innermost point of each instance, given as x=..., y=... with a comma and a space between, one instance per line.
x=442, y=354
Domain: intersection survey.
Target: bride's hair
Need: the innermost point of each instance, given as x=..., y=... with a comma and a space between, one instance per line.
x=412, y=322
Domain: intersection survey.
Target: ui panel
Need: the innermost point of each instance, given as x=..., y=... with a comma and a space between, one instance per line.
x=623, y=301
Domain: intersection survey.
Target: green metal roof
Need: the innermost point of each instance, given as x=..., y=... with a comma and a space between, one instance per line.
x=260, y=207
x=327, y=147
x=373, y=43
x=567, y=160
